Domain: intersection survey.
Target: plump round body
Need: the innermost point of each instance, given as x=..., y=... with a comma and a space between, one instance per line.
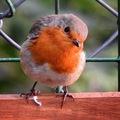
x=53, y=51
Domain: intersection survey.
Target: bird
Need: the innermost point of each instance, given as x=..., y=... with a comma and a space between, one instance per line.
x=53, y=52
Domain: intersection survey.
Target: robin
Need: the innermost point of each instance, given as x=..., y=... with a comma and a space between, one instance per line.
x=53, y=51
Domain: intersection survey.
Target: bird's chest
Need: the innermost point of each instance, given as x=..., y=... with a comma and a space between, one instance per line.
x=61, y=72
x=58, y=60
x=65, y=63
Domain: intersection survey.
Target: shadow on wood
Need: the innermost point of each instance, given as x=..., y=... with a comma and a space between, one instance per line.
x=87, y=106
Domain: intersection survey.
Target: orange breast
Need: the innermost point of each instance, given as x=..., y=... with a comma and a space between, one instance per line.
x=55, y=48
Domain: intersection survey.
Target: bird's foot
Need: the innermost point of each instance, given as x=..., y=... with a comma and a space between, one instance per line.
x=32, y=92
x=65, y=95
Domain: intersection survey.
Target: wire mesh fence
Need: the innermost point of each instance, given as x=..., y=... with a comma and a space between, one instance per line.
x=9, y=13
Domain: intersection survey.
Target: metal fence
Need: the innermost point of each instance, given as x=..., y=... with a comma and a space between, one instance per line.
x=91, y=58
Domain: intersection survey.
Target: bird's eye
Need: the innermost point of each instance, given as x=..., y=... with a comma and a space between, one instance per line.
x=67, y=29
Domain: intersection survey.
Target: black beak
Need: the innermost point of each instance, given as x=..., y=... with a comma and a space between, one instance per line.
x=76, y=42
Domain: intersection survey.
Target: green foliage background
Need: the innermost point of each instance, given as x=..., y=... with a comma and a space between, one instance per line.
x=101, y=24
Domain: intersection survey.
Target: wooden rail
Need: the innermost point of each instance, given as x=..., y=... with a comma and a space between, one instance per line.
x=86, y=106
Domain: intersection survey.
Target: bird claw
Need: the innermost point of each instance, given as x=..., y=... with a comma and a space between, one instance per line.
x=32, y=92
x=65, y=95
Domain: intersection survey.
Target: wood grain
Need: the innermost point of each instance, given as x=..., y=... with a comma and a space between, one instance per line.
x=86, y=106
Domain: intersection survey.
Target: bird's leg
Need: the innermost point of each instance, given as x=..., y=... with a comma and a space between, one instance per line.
x=65, y=94
x=32, y=92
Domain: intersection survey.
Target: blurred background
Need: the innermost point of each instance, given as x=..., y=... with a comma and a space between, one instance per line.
x=97, y=77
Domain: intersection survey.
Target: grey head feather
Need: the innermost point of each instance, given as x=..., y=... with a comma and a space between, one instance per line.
x=61, y=21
